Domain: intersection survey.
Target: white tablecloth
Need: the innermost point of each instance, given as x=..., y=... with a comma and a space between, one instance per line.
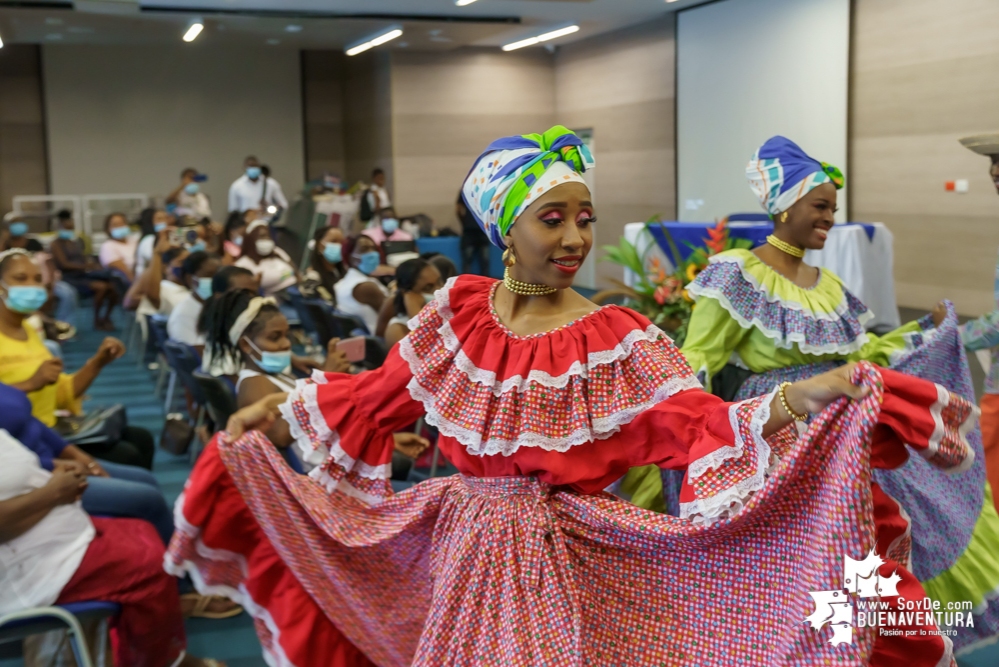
x=865, y=265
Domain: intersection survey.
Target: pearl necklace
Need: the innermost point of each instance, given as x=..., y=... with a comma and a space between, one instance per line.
x=525, y=289
x=785, y=247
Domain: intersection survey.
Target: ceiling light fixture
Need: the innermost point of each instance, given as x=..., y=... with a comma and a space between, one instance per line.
x=293, y=28
x=373, y=42
x=194, y=30
x=462, y=3
x=531, y=41
x=1, y=42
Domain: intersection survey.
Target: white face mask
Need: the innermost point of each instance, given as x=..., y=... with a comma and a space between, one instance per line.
x=264, y=247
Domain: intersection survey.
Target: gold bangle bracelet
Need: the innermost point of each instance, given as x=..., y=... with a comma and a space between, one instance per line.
x=783, y=401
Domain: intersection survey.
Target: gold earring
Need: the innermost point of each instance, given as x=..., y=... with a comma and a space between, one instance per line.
x=783, y=216
x=509, y=259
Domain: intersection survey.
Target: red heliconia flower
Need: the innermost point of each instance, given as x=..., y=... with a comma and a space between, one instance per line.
x=718, y=237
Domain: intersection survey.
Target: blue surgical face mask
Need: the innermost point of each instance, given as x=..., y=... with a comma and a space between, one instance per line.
x=368, y=262
x=25, y=299
x=120, y=233
x=204, y=288
x=159, y=227
x=390, y=225
x=271, y=362
x=333, y=253
x=253, y=173
x=197, y=247
x=67, y=234
x=192, y=188
x=18, y=228
x=428, y=297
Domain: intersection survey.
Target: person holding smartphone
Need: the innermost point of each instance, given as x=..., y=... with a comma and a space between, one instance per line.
x=190, y=200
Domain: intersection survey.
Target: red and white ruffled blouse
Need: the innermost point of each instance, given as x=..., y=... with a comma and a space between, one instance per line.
x=575, y=407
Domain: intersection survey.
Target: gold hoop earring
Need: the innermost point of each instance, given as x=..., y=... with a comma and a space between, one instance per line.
x=509, y=259
x=783, y=216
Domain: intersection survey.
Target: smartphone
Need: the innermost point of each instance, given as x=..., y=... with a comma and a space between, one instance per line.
x=354, y=348
x=176, y=237
x=200, y=178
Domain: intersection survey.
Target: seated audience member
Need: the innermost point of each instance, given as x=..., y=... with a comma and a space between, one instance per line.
x=118, y=253
x=326, y=265
x=232, y=237
x=160, y=289
x=358, y=293
x=27, y=364
x=196, y=274
x=153, y=223
x=54, y=553
x=248, y=335
x=385, y=227
x=270, y=264
x=190, y=201
x=444, y=265
x=416, y=281
x=83, y=273
x=16, y=236
x=113, y=490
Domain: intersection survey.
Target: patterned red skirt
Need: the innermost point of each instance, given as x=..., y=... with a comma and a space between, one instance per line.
x=510, y=571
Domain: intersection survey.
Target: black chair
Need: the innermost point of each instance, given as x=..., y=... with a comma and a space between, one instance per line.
x=396, y=247
x=375, y=351
x=298, y=303
x=220, y=397
x=322, y=316
x=351, y=325
x=184, y=360
x=157, y=336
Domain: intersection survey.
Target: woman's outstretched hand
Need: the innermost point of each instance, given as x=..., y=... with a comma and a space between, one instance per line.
x=410, y=444
x=257, y=417
x=814, y=394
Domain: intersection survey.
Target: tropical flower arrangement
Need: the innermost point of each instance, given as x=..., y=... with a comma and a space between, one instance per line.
x=660, y=292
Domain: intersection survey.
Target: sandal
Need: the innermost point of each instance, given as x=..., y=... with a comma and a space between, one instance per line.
x=201, y=604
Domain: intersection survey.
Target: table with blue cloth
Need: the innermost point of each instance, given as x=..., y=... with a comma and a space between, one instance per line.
x=859, y=253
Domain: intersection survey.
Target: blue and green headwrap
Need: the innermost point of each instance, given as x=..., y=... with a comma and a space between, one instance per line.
x=515, y=171
x=780, y=174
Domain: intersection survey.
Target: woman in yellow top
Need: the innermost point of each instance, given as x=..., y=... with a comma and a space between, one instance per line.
x=26, y=364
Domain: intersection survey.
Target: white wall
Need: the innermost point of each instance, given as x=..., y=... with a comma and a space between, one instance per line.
x=747, y=70
x=128, y=119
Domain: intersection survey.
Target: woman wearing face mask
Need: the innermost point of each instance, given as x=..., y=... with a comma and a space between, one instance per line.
x=118, y=253
x=196, y=274
x=326, y=266
x=232, y=238
x=153, y=223
x=82, y=272
x=386, y=228
x=270, y=263
x=26, y=364
x=416, y=282
x=358, y=293
x=542, y=399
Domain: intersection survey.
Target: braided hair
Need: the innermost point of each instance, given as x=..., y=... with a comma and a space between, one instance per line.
x=220, y=314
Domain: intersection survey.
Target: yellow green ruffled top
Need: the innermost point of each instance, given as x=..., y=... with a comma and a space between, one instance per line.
x=749, y=314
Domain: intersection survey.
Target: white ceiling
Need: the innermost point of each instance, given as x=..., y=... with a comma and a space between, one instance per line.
x=427, y=24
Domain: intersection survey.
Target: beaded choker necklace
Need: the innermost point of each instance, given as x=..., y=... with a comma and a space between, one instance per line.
x=525, y=289
x=785, y=247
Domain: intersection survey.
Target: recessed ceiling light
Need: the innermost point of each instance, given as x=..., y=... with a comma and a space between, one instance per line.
x=273, y=42
x=462, y=3
x=194, y=30
x=293, y=28
x=374, y=41
x=531, y=41
x=1, y=42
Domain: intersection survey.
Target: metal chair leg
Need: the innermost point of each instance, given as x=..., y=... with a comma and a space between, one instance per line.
x=161, y=378
x=77, y=639
x=171, y=385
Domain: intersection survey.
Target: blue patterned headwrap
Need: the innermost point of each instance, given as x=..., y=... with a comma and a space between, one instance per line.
x=780, y=174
